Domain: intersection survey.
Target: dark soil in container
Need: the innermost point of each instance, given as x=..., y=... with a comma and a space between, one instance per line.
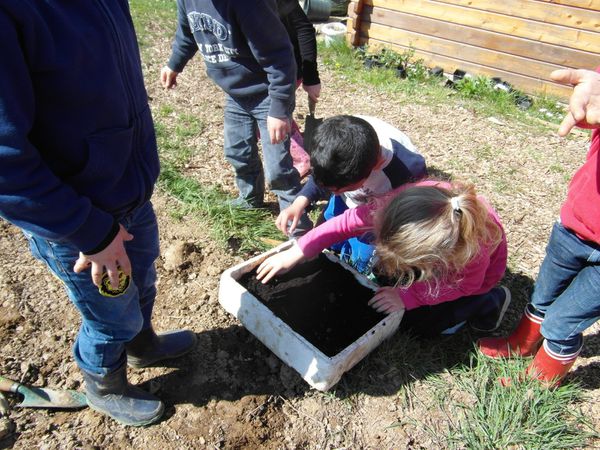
x=321, y=301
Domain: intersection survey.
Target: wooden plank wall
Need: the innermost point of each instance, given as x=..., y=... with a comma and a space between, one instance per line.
x=520, y=41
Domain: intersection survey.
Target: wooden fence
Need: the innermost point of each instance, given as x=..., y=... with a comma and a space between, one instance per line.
x=520, y=41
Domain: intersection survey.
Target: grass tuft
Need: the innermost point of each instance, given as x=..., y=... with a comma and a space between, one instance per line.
x=241, y=229
x=522, y=415
x=421, y=87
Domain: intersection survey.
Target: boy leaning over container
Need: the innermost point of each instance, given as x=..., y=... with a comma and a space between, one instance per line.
x=354, y=158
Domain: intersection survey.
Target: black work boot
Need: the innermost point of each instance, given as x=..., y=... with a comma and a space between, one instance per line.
x=148, y=347
x=112, y=395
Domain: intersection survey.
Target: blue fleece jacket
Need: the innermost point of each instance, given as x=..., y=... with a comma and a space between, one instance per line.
x=77, y=143
x=245, y=46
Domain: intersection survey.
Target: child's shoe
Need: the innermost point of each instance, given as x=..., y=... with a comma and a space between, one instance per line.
x=112, y=395
x=242, y=203
x=499, y=299
x=524, y=341
x=548, y=367
x=147, y=348
x=454, y=329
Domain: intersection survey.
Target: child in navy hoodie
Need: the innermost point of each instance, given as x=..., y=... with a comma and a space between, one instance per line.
x=78, y=163
x=248, y=54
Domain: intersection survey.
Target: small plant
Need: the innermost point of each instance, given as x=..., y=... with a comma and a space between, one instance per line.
x=403, y=64
x=475, y=87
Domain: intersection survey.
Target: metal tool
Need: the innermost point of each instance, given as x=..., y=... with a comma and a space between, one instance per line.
x=310, y=125
x=34, y=397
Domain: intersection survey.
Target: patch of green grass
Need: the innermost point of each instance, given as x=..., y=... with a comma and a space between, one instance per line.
x=522, y=415
x=477, y=93
x=165, y=110
x=188, y=126
x=549, y=109
x=348, y=62
x=485, y=153
x=173, y=141
x=241, y=229
x=153, y=19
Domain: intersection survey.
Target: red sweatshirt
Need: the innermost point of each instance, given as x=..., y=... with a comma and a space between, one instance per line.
x=581, y=211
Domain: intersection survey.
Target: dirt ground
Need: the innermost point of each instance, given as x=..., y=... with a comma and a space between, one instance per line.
x=231, y=391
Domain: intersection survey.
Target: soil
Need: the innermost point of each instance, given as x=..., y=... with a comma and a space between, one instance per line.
x=231, y=392
x=319, y=300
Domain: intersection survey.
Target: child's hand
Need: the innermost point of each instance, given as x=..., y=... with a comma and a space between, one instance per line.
x=110, y=259
x=168, y=78
x=584, y=103
x=279, y=129
x=291, y=213
x=313, y=91
x=279, y=262
x=387, y=300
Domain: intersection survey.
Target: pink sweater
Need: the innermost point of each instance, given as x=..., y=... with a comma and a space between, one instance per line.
x=478, y=277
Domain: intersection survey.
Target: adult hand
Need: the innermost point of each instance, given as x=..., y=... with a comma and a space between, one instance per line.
x=584, y=103
x=111, y=259
x=278, y=129
x=168, y=77
x=387, y=300
x=279, y=263
x=313, y=91
x=291, y=214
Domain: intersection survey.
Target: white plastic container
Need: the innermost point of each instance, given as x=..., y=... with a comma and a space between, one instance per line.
x=316, y=368
x=333, y=32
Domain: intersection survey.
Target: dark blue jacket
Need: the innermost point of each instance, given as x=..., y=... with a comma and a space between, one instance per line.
x=245, y=46
x=77, y=143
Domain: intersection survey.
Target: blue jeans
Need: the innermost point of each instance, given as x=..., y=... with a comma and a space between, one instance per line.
x=243, y=116
x=567, y=291
x=431, y=321
x=359, y=252
x=108, y=323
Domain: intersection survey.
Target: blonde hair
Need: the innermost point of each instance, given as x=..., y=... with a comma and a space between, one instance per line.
x=427, y=233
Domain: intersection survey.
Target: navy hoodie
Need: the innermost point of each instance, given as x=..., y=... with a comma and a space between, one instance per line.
x=245, y=46
x=77, y=143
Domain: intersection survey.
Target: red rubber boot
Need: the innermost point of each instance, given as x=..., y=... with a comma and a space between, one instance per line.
x=524, y=341
x=549, y=367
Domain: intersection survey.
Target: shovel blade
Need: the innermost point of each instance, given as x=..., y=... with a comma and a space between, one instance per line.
x=49, y=398
x=310, y=126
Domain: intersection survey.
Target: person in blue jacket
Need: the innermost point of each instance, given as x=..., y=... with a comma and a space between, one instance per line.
x=78, y=163
x=248, y=54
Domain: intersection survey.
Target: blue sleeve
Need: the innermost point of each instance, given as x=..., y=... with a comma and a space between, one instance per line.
x=31, y=196
x=270, y=44
x=406, y=166
x=312, y=191
x=184, y=45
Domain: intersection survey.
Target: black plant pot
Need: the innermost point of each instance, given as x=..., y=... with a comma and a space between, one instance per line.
x=436, y=72
x=372, y=62
x=458, y=75
x=523, y=102
x=401, y=72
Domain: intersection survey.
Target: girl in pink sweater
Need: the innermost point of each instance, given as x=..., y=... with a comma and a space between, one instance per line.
x=443, y=244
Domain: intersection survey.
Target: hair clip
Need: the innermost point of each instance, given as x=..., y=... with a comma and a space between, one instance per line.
x=454, y=201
